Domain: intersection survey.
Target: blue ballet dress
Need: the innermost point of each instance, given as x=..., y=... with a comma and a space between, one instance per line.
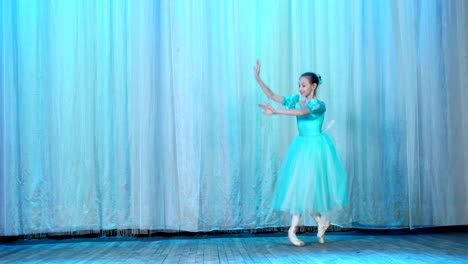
x=312, y=178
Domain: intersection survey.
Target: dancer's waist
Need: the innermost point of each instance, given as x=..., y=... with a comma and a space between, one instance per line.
x=309, y=133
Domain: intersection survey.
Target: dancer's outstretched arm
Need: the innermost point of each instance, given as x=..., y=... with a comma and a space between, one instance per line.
x=268, y=110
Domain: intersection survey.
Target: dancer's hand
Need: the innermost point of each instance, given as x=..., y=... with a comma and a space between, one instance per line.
x=257, y=71
x=267, y=109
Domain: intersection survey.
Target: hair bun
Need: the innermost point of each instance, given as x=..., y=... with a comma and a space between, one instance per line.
x=313, y=77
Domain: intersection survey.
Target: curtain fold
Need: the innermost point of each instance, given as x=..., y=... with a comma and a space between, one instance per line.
x=143, y=114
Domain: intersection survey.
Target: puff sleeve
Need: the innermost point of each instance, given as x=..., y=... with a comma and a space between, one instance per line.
x=290, y=101
x=316, y=107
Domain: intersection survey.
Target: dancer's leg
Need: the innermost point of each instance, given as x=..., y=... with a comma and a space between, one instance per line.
x=292, y=231
x=322, y=226
x=317, y=217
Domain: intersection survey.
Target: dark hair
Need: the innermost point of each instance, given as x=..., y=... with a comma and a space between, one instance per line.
x=313, y=78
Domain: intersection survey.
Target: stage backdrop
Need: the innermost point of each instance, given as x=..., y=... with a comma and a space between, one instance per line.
x=143, y=114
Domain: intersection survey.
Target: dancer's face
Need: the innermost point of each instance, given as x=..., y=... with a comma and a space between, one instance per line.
x=306, y=88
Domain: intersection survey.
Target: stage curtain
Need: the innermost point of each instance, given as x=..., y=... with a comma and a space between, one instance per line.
x=143, y=115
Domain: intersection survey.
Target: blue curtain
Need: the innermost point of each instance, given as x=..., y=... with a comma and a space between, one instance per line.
x=143, y=114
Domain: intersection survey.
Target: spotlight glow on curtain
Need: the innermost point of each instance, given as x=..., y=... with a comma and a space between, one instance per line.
x=143, y=114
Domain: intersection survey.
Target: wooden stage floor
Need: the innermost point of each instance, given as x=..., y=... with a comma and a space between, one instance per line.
x=340, y=247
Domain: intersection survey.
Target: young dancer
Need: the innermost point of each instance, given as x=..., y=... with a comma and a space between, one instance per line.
x=312, y=179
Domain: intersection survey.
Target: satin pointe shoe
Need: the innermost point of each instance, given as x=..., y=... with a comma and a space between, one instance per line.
x=293, y=238
x=322, y=227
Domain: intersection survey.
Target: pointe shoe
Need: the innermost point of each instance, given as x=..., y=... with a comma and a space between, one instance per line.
x=321, y=240
x=293, y=238
x=322, y=228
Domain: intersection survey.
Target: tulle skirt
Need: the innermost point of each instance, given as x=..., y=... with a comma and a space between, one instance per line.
x=312, y=178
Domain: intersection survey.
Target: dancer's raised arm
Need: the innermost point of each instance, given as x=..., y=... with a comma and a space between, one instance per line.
x=265, y=88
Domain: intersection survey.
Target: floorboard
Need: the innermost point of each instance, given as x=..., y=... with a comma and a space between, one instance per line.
x=340, y=247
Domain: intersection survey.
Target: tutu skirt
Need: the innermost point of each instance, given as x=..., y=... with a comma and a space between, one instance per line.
x=312, y=178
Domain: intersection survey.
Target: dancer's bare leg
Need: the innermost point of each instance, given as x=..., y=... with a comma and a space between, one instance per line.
x=292, y=232
x=322, y=226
